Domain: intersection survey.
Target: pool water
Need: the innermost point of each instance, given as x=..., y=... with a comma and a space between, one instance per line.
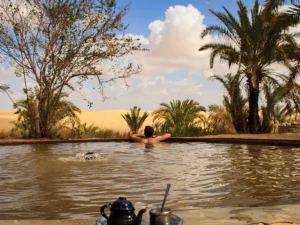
x=54, y=182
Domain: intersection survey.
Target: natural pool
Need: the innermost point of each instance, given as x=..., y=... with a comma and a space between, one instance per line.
x=50, y=182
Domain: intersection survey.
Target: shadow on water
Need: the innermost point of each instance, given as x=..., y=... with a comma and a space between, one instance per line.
x=260, y=175
x=44, y=200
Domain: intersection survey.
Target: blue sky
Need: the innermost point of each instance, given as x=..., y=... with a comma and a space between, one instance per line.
x=143, y=12
x=173, y=68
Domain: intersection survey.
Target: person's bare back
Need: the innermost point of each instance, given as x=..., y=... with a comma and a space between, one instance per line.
x=150, y=138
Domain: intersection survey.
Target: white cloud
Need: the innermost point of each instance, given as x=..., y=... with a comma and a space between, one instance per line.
x=147, y=94
x=174, y=42
x=173, y=45
x=7, y=74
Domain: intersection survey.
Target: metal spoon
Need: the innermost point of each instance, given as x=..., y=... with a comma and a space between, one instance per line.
x=165, y=198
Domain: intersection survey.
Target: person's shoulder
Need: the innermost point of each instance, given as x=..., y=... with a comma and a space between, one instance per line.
x=135, y=138
x=163, y=137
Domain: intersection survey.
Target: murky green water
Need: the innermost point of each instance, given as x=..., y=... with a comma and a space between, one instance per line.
x=51, y=182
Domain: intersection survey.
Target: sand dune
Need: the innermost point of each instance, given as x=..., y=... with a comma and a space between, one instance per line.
x=110, y=119
x=5, y=118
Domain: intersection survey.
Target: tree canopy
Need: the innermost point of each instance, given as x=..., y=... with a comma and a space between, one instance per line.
x=255, y=41
x=134, y=120
x=178, y=117
x=59, y=44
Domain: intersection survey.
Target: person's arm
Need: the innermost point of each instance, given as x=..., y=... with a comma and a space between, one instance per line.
x=163, y=137
x=135, y=137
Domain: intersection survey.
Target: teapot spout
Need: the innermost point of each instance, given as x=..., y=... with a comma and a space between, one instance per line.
x=140, y=216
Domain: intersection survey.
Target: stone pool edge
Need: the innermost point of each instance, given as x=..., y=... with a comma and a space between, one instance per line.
x=265, y=215
x=210, y=139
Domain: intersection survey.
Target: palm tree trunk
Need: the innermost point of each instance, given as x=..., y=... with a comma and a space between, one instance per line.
x=239, y=123
x=253, y=117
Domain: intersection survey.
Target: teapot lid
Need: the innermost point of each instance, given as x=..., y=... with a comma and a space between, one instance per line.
x=122, y=204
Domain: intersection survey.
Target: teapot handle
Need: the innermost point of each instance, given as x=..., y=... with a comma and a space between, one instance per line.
x=102, y=211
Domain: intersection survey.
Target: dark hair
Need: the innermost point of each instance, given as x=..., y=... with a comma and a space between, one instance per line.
x=149, y=131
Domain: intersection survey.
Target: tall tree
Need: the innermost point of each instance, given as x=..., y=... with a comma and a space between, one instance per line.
x=59, y=44
x=234, y=102
x=179, y=116
x=134, y=120
x=254, y=44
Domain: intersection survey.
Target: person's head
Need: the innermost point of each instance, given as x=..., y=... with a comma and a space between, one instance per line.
x=149, y=131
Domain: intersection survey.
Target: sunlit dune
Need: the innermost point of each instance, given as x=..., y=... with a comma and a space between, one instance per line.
x=5, y=118
x=110, y=119
x=106, y=119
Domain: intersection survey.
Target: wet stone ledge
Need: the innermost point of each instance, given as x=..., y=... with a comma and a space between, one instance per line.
x=242, y=139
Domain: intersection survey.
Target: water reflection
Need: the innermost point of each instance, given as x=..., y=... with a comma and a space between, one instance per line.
x=260, y=175
x=149, y=146
x=49, y=182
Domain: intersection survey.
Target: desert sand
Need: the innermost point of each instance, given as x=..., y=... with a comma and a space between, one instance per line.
x=5, y=118
x=106, y=119
x=110, y=119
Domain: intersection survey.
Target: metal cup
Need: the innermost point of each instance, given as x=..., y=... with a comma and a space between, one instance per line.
x=160, y=218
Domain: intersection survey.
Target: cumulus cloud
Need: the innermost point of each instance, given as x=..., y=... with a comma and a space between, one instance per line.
x=173, y=43
x=149, y=93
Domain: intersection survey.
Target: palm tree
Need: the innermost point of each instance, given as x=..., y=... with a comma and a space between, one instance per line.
x=64, y=114
x=291, y=98
x=290, y=90
x=134, y=120
x=178, y=117
x=25, y=122
x=280, y=115
x=272, y=99
x=234, y=102
x=291, y=15
x=273, y=4
x=254, y=44
x=279, y=2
